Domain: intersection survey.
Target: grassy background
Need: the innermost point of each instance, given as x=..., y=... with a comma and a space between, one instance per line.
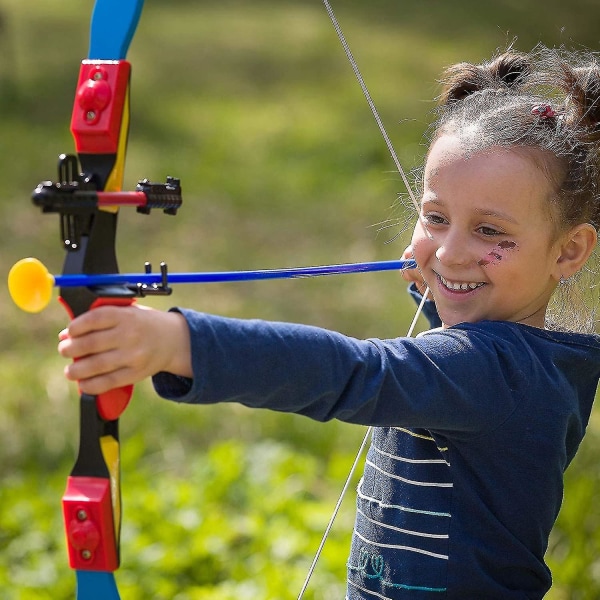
x=254, y=106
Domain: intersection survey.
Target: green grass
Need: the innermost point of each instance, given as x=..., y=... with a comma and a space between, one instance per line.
x=254, y=107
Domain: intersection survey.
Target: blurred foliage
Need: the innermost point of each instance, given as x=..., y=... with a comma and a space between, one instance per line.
x=254, y=107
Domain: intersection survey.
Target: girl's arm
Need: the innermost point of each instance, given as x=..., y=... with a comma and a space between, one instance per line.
x=440, y=381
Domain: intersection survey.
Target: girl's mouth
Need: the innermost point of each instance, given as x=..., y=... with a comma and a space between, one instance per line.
x=459, y=286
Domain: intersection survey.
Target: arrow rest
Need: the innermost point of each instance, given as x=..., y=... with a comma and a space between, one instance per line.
x=155, y=289
x=160, y=195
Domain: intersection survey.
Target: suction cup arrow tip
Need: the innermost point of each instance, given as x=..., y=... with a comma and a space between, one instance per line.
x=30, y=285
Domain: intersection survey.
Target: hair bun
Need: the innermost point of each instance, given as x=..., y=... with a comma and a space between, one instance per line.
x=503, y=72
x=511, y=68
x=585, y=92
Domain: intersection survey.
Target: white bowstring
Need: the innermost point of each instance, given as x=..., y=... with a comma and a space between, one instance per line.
x=372, y=106
x=335, y=512
x=338, y=504
x=394, y=156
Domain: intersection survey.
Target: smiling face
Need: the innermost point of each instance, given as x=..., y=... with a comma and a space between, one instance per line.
x=484, y=242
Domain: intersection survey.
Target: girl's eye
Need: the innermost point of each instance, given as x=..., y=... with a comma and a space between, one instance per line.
x=489, y=231
x=434, y=219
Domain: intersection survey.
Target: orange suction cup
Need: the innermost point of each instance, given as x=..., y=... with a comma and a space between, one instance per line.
x=30, y=285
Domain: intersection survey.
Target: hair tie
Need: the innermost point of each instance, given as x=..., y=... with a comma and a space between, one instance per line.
x=543, y=111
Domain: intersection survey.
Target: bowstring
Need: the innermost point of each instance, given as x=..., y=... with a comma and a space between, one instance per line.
x=370, y=102
x=350, y=475
x=419, y=310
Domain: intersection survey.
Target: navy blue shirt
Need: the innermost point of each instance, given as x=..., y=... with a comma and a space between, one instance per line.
x=475, y=426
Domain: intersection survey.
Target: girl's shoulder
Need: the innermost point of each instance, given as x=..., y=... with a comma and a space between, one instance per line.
x=517, y=336
x=509, y=328
x=550, y=336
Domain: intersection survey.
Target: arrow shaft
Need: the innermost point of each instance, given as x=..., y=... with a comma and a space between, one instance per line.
x=229, y=276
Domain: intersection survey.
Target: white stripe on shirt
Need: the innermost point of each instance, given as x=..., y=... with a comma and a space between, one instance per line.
x=410, y=460
x=410, y=481
x=399, y=547
x=363, y=496
x=439, y=536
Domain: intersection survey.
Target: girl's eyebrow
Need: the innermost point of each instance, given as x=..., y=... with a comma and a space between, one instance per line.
x=484, y=212
x=496, y=214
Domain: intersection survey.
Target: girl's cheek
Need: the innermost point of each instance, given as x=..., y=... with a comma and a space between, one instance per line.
x=418, y=244
x=423, y=251
x=420, y=233
x=499, y=252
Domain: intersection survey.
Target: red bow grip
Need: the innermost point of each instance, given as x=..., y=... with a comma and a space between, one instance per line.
x=111, y=404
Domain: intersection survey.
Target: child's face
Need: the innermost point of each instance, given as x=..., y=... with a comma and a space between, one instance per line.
x=484, y=241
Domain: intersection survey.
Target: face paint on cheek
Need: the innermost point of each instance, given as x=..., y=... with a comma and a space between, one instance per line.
x=496, y=255
x=507, y=245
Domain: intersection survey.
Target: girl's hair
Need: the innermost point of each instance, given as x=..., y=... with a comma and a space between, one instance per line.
x=545, y=103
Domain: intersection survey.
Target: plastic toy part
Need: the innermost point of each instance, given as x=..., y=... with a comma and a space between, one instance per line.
x=30, y=285
x=88, y=517
x=94, y=94
x=98, y=109
x=113, y=24
x=96, y=585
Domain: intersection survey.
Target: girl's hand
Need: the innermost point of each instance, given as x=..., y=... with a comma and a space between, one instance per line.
x=117, y=346
x=413, y=275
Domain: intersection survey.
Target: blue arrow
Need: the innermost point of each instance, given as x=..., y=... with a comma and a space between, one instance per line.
x=83, y=280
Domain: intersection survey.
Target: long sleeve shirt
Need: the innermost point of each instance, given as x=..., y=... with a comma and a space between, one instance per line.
x=475, y=425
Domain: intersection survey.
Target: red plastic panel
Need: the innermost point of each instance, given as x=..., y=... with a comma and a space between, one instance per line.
x=89, y=524
x=98, y=108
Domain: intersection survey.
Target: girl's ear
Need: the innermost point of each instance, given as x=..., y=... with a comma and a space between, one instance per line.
x=578, y=244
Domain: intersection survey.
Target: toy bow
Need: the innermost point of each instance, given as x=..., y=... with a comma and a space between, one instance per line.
x=99, y=124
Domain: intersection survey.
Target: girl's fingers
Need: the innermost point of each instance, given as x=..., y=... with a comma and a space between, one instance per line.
x=97, y=330
x=103, y=317
x=93, y=366
x=408, y=253
x=413, y=275
x=100, y=384
x=92, y=343
x=410, y=275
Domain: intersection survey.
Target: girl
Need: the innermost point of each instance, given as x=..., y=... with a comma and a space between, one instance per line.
x=477, y=420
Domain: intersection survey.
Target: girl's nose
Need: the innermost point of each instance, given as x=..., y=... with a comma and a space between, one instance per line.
x=453, y=251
